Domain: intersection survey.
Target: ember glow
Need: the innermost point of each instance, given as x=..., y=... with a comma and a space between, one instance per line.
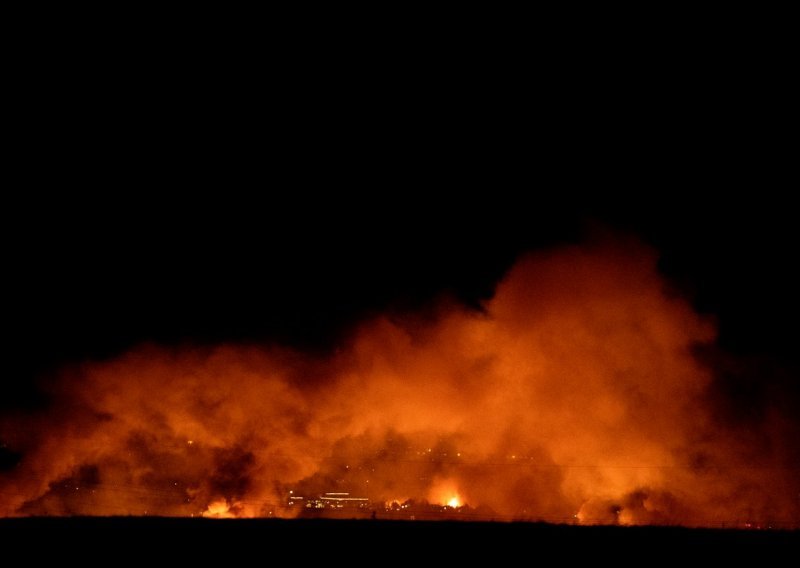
x=219, y=510
x=575, y=395
x=445, y=492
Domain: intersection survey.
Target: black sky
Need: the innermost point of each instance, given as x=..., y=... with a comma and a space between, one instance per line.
x=200, y=200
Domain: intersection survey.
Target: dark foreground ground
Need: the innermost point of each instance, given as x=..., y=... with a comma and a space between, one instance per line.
x=364, y=542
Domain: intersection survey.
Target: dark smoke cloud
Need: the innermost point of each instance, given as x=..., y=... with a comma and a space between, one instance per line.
x=584, y=391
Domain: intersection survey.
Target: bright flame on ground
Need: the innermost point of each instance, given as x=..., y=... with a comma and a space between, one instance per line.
x=219, y=510
x=445, y=492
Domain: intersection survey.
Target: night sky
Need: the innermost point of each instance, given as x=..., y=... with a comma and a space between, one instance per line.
x=175, y=188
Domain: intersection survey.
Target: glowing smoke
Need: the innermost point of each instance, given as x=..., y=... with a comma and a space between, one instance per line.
x=575, y=394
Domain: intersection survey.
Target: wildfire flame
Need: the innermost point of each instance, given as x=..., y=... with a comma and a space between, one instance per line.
x=445, y=492
x=575, y=388
x=219, y=510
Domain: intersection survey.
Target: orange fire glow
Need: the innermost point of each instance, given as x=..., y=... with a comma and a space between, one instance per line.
x=219, y=510
x=574, y=394
x=445, y=492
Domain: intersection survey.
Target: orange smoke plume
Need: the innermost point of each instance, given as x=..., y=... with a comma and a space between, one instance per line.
x=575, y=395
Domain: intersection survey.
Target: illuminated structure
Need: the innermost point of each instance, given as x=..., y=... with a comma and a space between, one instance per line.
x=331, y=501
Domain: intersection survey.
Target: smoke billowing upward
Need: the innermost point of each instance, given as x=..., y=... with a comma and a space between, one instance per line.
x=575, y=395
